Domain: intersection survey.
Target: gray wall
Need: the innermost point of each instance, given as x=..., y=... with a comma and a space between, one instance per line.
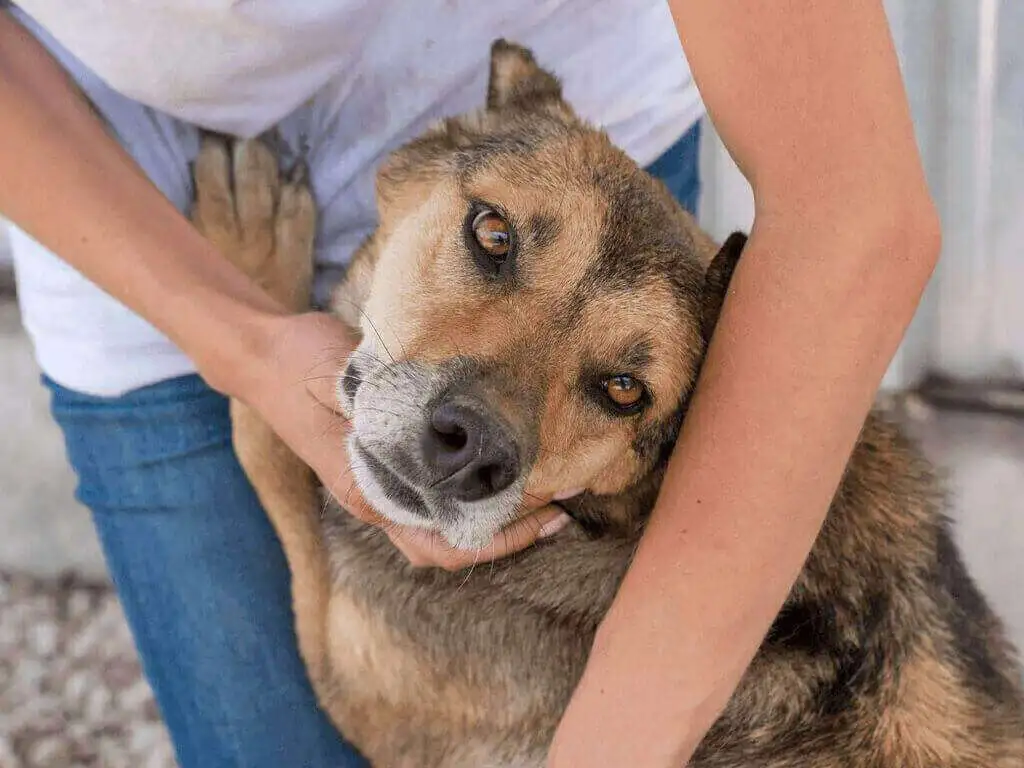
x=964, y=73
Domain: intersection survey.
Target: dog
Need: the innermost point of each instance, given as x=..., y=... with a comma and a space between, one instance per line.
x=533, y=311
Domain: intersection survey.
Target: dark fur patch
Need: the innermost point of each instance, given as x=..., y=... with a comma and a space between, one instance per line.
x=815, y=628
x=483, y=151
x=717, y=279
x=804, y=626
x=633, y=357
x=543, y=231
x=860, y=665
x=970, y=620
x=639, y=237
x=654, y=443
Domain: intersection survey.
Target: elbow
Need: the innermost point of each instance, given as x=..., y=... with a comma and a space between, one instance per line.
x=884, y=223
x=912, y=230
x=899, y=234
x=892, y=242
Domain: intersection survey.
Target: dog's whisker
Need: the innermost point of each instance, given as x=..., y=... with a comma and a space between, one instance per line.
x=320, y=377
x=379, y=337
x=469, y=574
x=362, y=312
x=405, y=352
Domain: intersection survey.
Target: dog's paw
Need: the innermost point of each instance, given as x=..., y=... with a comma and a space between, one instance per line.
x=261, y=220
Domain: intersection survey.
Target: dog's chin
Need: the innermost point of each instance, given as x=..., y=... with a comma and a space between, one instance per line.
x=469, y=538
x=391, y=497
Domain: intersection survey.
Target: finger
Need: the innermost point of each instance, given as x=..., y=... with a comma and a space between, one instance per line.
x=341, y=484
x=326, y=440
x=422, y=550
x=352, y=501
x=427, y=548
x=526, y=531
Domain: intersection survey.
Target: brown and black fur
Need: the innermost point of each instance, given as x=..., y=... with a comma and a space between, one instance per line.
x=885, y=653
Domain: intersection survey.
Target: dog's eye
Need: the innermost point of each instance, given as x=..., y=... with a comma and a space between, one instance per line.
x=492, y=234
x=624, y=392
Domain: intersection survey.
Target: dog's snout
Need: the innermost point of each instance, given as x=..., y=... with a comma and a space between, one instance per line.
x=470, y=452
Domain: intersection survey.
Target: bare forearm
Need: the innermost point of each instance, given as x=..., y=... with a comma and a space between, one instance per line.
x=75, y=190
x=783, y=394
x=809, y=101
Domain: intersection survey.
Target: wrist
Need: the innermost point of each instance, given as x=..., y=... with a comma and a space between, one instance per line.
x=234, y=347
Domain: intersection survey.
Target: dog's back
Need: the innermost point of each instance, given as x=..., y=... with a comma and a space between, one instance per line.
x=885, y=653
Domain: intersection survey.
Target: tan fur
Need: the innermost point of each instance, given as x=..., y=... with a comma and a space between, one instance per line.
x=884, y=655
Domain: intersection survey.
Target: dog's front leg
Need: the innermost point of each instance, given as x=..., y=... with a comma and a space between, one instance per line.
x=265, y=225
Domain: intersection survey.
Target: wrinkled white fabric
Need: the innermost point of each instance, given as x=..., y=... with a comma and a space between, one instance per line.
x=351, y=79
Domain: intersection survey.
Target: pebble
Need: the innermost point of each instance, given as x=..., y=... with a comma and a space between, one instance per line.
x=72, y=694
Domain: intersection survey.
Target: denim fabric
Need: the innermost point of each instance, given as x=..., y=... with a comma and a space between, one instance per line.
x=200, y=574
x=198, y=568
x=679, y=169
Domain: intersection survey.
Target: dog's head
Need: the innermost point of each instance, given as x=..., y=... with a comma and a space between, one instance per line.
x=534, y=310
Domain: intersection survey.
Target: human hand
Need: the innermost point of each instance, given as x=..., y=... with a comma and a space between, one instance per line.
x=292, y=386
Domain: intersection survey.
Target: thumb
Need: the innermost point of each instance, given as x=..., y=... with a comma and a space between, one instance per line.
x=330, y=461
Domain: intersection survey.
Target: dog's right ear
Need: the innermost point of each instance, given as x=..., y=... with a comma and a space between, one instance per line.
x=517, y=80
x=716, y=281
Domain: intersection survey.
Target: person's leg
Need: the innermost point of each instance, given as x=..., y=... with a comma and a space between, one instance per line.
x=200, y=574
x=679, y=168
x=196, y=564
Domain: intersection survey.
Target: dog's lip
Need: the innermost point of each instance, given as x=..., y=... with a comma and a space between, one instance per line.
x=397, y=488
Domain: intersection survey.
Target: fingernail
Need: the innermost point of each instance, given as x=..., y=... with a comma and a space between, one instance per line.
x=554, y=525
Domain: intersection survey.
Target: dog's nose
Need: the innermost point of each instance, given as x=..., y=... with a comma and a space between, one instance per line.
x=471, y=453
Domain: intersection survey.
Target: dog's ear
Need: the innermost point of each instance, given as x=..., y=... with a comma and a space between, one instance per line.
x=517, y=79
x=716, y=280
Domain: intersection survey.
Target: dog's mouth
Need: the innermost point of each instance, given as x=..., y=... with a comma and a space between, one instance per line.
x=401, y=502
x=572, y=506
x=397, y=490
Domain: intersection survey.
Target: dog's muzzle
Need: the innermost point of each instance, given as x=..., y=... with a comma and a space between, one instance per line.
x=428, y=450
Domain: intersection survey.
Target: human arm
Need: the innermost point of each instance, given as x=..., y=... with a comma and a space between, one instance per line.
x=68, y=184
x=809, y=101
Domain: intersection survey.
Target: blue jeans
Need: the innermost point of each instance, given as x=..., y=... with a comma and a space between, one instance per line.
x=198, y=568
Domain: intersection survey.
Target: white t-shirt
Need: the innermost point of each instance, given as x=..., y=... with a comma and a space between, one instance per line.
x=362, y=76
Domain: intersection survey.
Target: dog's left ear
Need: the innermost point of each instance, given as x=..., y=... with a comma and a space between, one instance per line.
x=517, y=79
x=716, y=280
